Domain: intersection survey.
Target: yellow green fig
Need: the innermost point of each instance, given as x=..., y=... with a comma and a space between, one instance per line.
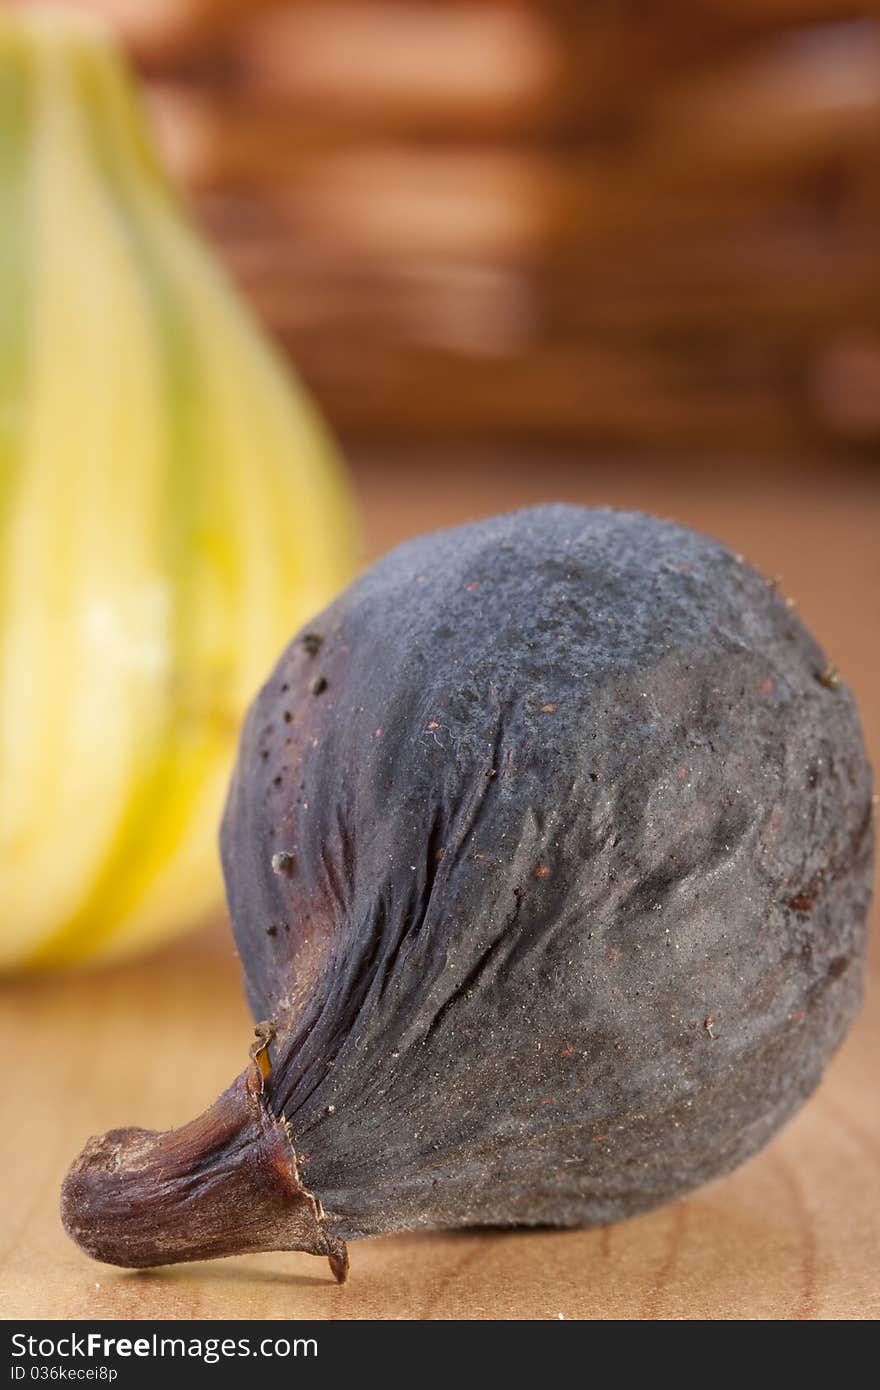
x=171, y=508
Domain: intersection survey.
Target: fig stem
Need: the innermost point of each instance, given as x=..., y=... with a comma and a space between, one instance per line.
x=227, y=1183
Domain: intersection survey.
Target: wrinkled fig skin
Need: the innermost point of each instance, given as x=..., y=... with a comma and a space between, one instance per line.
x=548, y=853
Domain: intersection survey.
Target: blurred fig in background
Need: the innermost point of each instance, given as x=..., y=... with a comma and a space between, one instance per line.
x=171, y=509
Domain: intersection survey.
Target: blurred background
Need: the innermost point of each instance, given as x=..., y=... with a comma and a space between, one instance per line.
x=643, y=226
x=623, y=252
x=604, y=251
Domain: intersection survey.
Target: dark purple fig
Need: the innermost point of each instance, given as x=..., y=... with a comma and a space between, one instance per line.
x=548, y=854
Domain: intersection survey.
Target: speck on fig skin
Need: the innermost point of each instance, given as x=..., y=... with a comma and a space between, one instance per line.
x=558, y=995
x=829, y=676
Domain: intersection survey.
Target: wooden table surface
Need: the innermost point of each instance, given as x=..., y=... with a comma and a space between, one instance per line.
x=793, y=1234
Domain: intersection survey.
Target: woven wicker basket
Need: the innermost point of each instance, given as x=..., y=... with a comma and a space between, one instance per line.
x=643, y=224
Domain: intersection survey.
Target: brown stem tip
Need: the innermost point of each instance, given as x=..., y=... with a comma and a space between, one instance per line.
x=227, y=1183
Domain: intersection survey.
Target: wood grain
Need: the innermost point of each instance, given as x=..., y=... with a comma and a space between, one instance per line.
x=795, y=1234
